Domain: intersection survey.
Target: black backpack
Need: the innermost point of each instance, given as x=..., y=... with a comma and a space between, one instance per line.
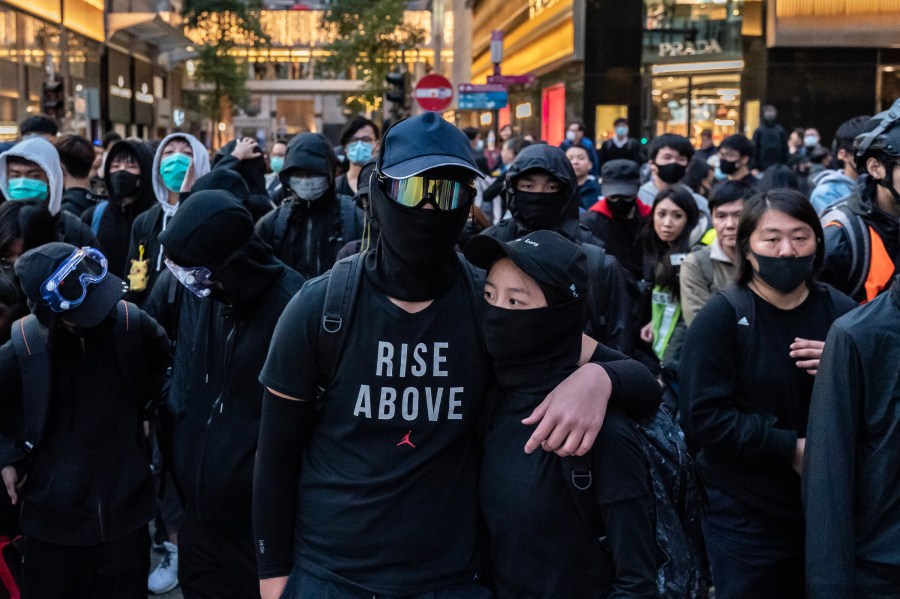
x=340, y=299
x=682, y=570
x=347, y=227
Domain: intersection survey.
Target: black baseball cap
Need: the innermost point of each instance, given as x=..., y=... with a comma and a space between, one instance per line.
x=545, y=256
x=35, y=266
x=422, y=143
x=620, y=178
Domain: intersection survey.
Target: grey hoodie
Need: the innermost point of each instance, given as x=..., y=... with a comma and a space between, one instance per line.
x=44, y=154
x=200, y=164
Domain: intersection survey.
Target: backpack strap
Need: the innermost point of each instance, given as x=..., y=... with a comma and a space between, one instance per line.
x=30, y=339
x=130, y=354
x=351, y=228
x=279, y=232
x=860, y=243
x=340, y=297
x=741, y=299
x=98, y=216
x=596, y=312
x=578, y=474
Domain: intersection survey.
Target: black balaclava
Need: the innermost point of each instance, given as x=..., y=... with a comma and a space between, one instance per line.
x=252, y=170
x=538, y=211
x=414, y=259
x=534, y=350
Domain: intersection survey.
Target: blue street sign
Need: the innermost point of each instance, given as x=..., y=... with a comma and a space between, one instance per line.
x=483, y=101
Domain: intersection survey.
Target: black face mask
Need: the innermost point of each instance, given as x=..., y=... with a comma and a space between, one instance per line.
x=785, y=274
x=621, y=209
x=123, y=184
x=770, y=119
x=533, y=348
x=538, y=211
x=671, y=173
x=414, y=258
x=728, y=167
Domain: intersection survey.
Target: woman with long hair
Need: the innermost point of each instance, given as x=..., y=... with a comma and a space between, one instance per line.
x=747, y=371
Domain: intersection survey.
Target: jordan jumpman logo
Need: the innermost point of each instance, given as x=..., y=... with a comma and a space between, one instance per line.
x=406, y=440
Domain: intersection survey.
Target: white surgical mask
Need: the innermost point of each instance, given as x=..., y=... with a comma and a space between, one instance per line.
x=570, y=135
x=309, y=188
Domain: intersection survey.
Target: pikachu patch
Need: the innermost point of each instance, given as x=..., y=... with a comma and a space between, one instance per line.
x=139, y=273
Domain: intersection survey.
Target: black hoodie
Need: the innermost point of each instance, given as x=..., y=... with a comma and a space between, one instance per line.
x=252, y=171
x=308, y=235
x=114, y=228
x=227, y=339
x=609, y=313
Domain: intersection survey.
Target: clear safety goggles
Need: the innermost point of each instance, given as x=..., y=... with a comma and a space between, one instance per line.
x=444, y=194
x=67, y=287
x=197, y=279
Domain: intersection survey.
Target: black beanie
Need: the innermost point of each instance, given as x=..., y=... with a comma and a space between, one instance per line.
x=222, y=179
x=209, y=230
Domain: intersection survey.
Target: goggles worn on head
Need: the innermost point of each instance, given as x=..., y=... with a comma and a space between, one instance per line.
x=68, y=285
x=197, y=279
x=444, y=194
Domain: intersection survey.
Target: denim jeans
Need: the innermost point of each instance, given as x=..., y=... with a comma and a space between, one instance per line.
x=303, y=585
x=753, y=555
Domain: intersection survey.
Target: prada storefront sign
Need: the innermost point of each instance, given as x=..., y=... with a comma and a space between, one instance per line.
x=121, y=88
x=678, y=31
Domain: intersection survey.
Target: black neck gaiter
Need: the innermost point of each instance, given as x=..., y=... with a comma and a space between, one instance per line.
x=414, y=259
x=534, y=350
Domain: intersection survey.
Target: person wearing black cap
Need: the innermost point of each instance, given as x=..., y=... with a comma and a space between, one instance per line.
x=542, y=191
x=237, y=291
x=313, y=224
x=77, y=379
x=395, y=438
x=619, y=217
x=537, y=293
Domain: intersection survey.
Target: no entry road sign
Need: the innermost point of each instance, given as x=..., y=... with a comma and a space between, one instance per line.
x=434, y=93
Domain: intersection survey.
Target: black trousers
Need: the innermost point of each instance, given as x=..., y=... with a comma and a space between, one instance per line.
x=216, y=562
x=116, y=568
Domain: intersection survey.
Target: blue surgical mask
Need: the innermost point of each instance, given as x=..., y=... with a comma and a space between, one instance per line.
x=173, y=169
x=277, y=163
x=810, y=141
x=479, y=145
x=719, y=175
x=23, y=188
x=359, y=152
x=621, y=131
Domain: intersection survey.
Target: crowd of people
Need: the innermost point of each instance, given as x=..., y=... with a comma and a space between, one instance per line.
x=416, y=365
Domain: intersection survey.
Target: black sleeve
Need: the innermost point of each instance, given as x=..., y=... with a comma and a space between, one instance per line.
x=838, y=255
x=265, y=227
x=11, y=451
x=627, y=507
x=634, y=388
x=618, y=313
x=157, y=356
x=283, y=432
x=493, y=190
x=829, y=467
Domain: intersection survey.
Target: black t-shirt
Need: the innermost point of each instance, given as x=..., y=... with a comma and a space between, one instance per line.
x=540, y=546
x=747, y=414
x=387, y=496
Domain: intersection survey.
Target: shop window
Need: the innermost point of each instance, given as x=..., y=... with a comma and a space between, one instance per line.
x=553, y=114
x=688, y=105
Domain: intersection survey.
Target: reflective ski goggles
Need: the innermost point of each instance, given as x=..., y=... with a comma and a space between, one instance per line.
x=197, y=279
x=67, y=287
x=444, y=194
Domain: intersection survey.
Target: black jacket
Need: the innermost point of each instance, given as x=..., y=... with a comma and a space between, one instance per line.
x=851, y=479
x=89, y=477
x=253, y=171
x=308, y=235
x=76, y=200
x=836, y=269
x=769, y=147
x=632, y=150
x=114, y=230
x=71, y=230
x=214, y=391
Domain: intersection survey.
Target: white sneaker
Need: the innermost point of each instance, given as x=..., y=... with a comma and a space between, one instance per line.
x=165, y=577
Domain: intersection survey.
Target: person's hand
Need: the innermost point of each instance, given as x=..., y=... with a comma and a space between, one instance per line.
x=806, y=354
x=647, y=333
x=189, y=178
x=569, y=419
x=246, y=147
x=272, y=588
x=797, y=463
x=12, y=482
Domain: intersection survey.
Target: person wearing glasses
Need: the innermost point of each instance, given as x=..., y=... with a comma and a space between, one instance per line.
x=360, y=142
x=372, y=489
x=78, y=376
x=313, y=222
